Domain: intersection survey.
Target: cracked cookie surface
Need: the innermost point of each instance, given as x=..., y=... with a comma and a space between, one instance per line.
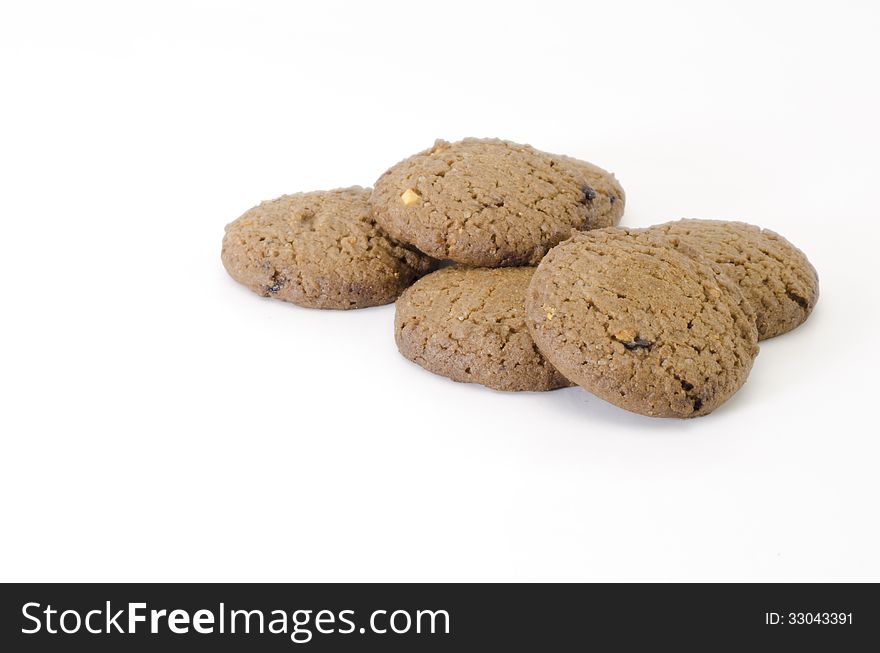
x=321, y=249
x=488, y=202
x=774, y=276
x=468, y=324
x=641, y=324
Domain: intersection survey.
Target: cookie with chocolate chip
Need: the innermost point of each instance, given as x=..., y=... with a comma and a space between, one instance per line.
x=488, y=202
x=640, y=323
x=320, y=250
x=774, y=276
x=468, y=324
x=603, y=193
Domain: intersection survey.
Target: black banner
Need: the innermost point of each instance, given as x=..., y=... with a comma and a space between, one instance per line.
x=435, y=617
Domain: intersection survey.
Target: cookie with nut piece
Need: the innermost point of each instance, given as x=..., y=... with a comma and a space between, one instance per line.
x=641, y=323
x=774, y=276
x=468, y=324
x=321, y=249
x=489, y=202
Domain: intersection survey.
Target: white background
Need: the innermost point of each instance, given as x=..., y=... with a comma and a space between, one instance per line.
x=160, y=422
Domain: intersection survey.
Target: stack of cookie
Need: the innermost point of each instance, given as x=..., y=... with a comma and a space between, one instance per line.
x=508, y=271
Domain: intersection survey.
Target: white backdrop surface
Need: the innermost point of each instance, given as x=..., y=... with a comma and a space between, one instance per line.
x=160, y=422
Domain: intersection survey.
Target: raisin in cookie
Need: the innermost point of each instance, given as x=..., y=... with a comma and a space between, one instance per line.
x=773, y=275
x=320, y=250
x=469, y=325
x=641, y=324
x=488, y=202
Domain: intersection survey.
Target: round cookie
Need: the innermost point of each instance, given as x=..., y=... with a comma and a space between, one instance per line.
x=773, y=275
x=320, y=250
x=468, y=324
x=641, y=324
x=488, y=202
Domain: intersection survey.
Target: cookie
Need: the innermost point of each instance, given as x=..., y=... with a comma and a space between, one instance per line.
x=609, y=199
x=488, y=202
x=773, y=275
x=641, y=324
x=468, y=324
x=320, y=250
